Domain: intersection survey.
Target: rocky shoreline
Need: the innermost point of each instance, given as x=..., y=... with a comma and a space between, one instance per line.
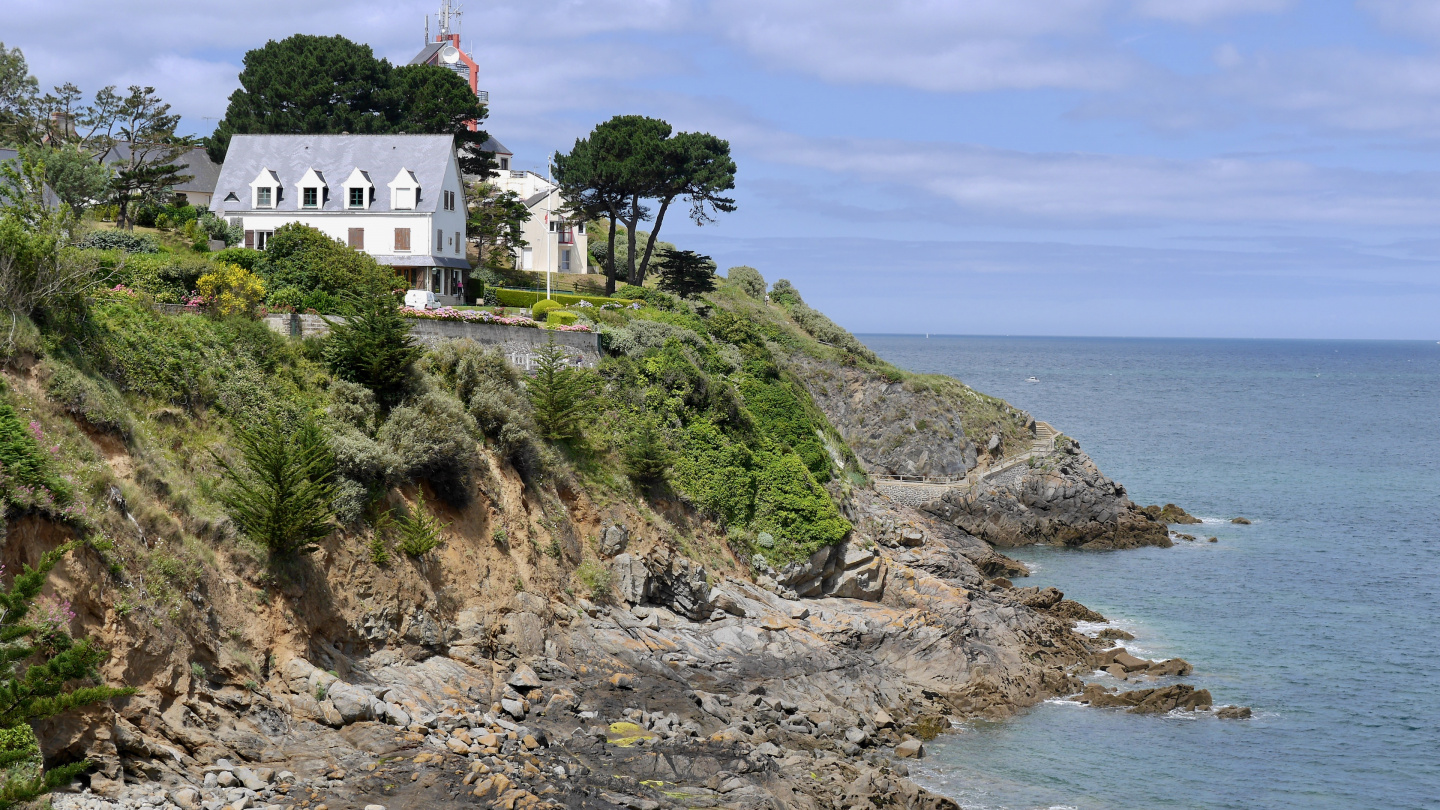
x=691, y=676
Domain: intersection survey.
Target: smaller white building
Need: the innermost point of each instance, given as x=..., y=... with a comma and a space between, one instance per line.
x=553, y=240
x=399, y=198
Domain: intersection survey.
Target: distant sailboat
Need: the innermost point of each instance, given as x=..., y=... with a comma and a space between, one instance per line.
x=1032, y=379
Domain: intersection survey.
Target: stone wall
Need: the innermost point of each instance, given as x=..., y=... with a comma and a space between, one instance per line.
x=519, y=343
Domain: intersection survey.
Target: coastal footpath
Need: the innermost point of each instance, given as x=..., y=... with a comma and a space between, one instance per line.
x=578, y=639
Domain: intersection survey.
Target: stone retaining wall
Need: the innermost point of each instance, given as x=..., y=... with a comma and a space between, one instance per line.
x=519, y=343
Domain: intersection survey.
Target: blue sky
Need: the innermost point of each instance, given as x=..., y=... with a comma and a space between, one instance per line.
x=1223, y=168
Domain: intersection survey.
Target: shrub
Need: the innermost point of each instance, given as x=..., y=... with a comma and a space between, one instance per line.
x=646, y=452
x=247, y=258
x=97, y=403
x=27, y=476
x=525, y=298
x=793, y=508
x=559, y=393
x=595, y=577
x=637, y=337
x=373, y=348
x=748, y=280
x=632, y=292
x=420, y=532
x=119, y=240
x=290, y=297
x=283, y=496
x=42, y=669
x=300, y=256
x=540, y=309
x=432, y=436
x=231, y=289
x=715, y=472
x=560, y=317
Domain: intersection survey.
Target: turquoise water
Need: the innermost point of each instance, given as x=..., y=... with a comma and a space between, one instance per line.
x=1323, y=615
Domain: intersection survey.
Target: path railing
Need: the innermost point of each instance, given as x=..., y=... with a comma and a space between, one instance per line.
x=918, y=490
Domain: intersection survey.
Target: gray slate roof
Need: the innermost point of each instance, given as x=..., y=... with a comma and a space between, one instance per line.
x=335, y=156
x=204, y=172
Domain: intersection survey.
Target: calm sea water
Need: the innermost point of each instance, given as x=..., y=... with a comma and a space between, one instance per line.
x=1324, y=615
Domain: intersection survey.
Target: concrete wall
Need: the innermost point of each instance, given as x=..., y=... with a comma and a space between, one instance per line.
x=519, y=343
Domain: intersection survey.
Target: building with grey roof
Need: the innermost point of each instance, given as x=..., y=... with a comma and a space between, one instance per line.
x=196, y=163
x=399, y=198
x=47, y=194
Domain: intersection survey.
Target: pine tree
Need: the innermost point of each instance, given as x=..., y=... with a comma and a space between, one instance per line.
x=40, y=665
x=646, y=453
x=559, y=393
x=686, y=273
x=420, y=531
x=373, y=348
x=284, y=496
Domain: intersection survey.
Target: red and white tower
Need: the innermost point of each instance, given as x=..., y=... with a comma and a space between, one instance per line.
x=444, y=50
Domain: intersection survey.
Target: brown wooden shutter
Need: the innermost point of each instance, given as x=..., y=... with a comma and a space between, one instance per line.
x=402, y=238
x=250, y=239
x=357, y=238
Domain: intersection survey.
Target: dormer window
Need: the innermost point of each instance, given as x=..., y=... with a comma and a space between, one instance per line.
x=312, y=189
x=404, y=191
x=359, y=191
x=265, y=190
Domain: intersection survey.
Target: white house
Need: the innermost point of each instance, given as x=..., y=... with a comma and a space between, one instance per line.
x=553, y=239
x=399, y=198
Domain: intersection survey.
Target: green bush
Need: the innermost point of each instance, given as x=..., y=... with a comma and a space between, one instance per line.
x=540, y=309
x=247, y=258
x=560, y=317
x=300, y=256
x=28, y=479
x=524, y=298
x=97, y=403
x=44, y=672
x=715, y=472
x=595, y=577
x=633, y=292
x=793, y=508
x=748, y=280
x=373, y=347
x=119, y=240
x=290, y=297
x=432, y=435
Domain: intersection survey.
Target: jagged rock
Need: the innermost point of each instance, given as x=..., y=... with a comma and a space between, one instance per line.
x=1170, y=513
x=1073, y=611
x=1233, y=713
x=523, y=677
x=1149, y=701
x=1115, y=634
x=912, y=537
x=679, y=584
x=613, y=539
x=1037, y=598
x=514, y=708
x=632, y=579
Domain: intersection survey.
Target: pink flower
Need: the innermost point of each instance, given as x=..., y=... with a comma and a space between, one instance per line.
x=36, y=429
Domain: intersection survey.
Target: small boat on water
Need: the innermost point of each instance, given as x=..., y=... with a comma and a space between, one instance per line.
x=1032, y=379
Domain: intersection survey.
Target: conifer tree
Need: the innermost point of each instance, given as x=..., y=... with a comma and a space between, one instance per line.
x=559, y=393
x=43, y=673
x=283, y=497
x=374, y=348
x=420, y=532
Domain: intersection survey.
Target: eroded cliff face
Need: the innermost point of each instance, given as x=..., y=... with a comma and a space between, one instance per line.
x=478, y=672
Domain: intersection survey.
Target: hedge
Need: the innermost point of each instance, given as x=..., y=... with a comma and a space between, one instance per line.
x=523, y=298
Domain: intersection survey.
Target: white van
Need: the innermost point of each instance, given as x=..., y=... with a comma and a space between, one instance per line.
x=420, y=299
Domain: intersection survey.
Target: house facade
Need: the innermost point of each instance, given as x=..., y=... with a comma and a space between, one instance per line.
x=193, y=163
x=553, y=240
x=399, y=198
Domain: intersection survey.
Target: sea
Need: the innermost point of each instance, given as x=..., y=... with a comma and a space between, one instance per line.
x=1322, y=615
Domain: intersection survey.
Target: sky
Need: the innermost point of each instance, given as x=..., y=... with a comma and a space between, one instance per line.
x=1165, y=168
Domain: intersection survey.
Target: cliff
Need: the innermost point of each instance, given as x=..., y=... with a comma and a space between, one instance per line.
x=759, y=628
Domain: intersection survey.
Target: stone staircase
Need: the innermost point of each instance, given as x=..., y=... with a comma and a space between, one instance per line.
x=1044, y=437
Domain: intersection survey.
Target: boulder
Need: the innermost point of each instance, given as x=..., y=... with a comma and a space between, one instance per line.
x=1233, y=713
x=911, y=536
x=1130, y=662
x=352, y=703
x=1240, y=520
x=613, y=540
x=523, y=678
x=910, y=749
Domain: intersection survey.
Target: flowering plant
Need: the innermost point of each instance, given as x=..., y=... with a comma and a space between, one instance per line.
x=121, y=289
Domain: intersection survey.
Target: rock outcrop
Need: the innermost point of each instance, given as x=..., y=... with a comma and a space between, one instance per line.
x=1062, y=500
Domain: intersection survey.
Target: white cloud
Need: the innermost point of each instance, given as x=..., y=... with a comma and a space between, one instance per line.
x=1108, y=191
x=1200, y=12
x=932, y=45
x=1414, y=18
